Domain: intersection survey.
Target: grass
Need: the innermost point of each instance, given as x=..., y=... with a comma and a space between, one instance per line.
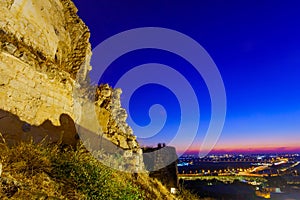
x=37, y=171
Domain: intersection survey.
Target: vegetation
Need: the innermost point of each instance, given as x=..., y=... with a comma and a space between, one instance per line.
x=33, y=171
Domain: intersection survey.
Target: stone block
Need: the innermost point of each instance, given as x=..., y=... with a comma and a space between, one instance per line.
x=17, y=66
x=127, y=154
x=30, y=74
x=4, y=79
x=17, y=85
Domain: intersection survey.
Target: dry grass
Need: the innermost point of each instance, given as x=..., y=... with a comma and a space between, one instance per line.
x=47, y=172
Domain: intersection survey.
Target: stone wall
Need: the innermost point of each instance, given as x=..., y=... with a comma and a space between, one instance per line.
x=13, y=130
x=162, y=164
x=42, y=46
x=44, y=65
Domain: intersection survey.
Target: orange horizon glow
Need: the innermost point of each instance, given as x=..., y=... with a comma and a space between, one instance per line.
x=253, y=149
x=252, y=145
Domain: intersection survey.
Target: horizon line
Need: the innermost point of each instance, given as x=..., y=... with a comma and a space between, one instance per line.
x=275, y=150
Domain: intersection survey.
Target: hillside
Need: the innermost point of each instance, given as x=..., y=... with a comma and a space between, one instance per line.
x=31, y=171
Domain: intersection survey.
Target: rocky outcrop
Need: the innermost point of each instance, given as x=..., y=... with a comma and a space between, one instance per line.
x=112, y=117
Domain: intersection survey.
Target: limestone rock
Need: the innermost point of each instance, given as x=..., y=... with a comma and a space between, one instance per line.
x=43, y=44
x=45, y=57
x=113, y=117
x=15, y=130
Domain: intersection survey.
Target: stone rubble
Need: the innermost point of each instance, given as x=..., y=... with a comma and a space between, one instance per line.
x=115, y=126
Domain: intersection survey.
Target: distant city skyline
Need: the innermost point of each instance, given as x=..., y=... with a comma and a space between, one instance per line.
x=256, y=47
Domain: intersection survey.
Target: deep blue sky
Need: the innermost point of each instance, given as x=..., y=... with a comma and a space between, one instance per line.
x=254, y=43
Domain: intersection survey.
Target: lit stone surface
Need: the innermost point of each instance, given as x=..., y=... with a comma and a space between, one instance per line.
x=43, y=46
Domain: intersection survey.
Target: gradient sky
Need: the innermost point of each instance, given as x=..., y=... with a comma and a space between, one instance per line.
x=255, y=45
